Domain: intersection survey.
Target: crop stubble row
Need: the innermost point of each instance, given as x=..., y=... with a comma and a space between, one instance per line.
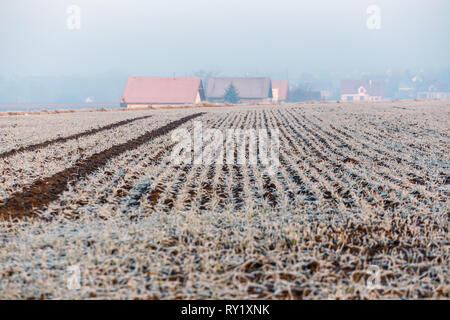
x=350, y=202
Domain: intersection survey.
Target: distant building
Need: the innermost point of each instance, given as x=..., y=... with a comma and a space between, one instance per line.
x=280, y=90
x=433, y=95
x=361, y=90
x=435, y=91
x=145, y=91
x=249, y=89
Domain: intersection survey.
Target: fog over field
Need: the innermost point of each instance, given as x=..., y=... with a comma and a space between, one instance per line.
x=357, y=208
x=44, y=61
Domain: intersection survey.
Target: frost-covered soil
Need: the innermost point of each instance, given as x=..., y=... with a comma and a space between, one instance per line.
x=358, y=208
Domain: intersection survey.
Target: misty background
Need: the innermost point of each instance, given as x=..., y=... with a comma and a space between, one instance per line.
x=310, y=43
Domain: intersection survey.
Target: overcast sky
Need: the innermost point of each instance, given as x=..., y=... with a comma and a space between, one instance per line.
x=138, y=37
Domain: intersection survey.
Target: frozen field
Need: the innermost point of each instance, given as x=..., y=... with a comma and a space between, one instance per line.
x=359, y=206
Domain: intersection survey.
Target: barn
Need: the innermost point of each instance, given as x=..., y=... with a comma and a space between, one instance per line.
x=146, y=91
x=248, y=89
x=280, y=90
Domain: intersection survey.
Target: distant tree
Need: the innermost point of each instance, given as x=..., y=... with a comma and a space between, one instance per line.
x=231, y=94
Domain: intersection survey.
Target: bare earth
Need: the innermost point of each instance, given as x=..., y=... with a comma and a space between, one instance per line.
x=359, y=207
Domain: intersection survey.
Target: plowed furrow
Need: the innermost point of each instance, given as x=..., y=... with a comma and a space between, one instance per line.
x=310, y=181
x=271, y=193
x=213, y=191
x=395, y=157
x=179, y=193
x=336, y=177
x=391, y=185
x=331, y=147
x=134, y=198
x=90, y=132
x=43, y=191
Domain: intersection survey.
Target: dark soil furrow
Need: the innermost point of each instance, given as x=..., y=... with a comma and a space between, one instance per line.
x=90, y=132
x=44, y=191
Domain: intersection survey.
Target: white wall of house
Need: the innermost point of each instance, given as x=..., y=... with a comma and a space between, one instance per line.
x=198, y=99
x=274, y=95
x=433, y=95
x=361, y=95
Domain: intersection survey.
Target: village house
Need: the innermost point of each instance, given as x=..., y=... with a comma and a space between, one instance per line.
x=147, y=91
x=434, y=91
x=433, y=95
x=361, y=90
x=248, y=89
x=280, y=90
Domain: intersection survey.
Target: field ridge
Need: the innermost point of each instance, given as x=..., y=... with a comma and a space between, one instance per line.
x=39, y=194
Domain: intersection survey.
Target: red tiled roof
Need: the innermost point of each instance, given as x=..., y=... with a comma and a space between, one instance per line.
x=282, y=87
x=162, y=90
x=374, y=88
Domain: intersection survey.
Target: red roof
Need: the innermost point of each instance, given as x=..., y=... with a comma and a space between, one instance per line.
x=282, y=87
x=162, y=90
x=374, y=88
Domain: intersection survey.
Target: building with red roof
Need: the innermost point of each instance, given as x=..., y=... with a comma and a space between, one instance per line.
x=146, y=91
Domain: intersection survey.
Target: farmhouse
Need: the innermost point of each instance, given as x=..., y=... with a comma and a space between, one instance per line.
x=146, y=91
x=248, y=89
x=280, y=90
x=361, y=90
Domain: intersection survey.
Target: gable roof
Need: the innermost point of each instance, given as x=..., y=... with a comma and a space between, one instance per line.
x=282, y=87
x=162, y=90
x=248, y=88
x=374, y=88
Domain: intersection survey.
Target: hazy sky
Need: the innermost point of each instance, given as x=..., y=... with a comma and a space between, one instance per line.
x=232, y=37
